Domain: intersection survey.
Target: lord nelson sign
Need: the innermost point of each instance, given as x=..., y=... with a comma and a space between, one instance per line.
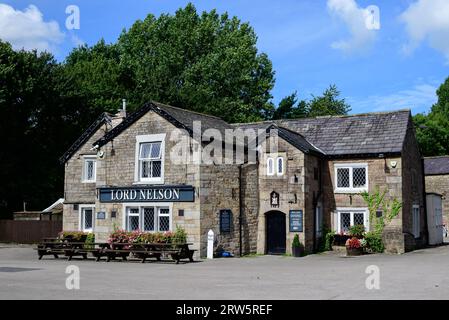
x=147, y=194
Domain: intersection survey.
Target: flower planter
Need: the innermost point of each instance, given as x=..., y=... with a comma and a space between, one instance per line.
x=297, y=251
x=354, y=251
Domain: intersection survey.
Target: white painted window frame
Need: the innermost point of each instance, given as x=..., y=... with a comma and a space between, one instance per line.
x=81, y=208
x=319, y=219
x=351, y=211
x=351, y=167
x=86, y=159
x=148, y=139
x=141, y=206
x=277, y=166
x=416, y=220
x=270, y=160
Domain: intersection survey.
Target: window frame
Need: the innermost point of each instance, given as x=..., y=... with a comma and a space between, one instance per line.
x=270, y=159
x=81, y=209
x=152, y=138
x=141, y=207
x=416, y=221
x=277, y=166
x=319, y=220
x=352, y=211
x=351, y=167
x=86, y=159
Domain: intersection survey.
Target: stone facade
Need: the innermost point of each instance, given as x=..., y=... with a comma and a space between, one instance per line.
x=307, y=182
x=439, y=184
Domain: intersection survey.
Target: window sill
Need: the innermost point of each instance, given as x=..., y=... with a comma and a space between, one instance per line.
x=88, y=181
x=148, y=182
x=349, y=191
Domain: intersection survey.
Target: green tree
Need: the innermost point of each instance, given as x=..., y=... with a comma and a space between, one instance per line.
x=432, y=130
x=207, y=63
x=328, y=104
x=33, y=126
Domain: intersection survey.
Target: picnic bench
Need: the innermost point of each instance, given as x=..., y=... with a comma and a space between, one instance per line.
x=56, y=247
x=142, y=251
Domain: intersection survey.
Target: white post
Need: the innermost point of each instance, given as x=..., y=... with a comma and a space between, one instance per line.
x=210, y=244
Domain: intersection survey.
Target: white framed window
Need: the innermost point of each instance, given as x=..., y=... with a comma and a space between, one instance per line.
x=86, y=218
x=416, y=221
x=89, y=169
x=280, y=166
x=149, y=166
x=270, y=166
x=348, y=217
x=351, y=178
x=318, y=220
x=148, y=218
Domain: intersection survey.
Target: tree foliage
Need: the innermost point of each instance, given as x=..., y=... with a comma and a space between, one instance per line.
x=326, y=104
x=432, y=130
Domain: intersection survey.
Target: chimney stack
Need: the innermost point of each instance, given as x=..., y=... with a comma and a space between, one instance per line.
x=123, y=111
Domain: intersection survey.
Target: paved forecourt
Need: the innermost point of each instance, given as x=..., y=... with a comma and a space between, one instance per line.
x=420, y=274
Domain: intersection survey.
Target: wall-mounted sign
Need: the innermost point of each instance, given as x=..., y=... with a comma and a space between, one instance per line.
x=274, y=199
x=147, y=194
x=225, y=221
x=101, y=215
x=295, y=219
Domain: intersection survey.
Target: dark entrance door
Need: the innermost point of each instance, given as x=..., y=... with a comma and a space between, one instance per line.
x=275, y=232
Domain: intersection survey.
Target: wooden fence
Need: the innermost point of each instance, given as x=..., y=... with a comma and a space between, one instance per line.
x=28, y=231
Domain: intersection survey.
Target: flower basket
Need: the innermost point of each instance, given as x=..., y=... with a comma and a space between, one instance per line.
x=297, y=251
x=354, y=251
x=354, y=247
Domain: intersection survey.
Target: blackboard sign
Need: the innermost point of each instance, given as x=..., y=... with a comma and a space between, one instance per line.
x=296, y=221
x=225, y=221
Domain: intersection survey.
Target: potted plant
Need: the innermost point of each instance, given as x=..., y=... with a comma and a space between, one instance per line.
x=354, y=247
x=297, y=248
x=357, y=231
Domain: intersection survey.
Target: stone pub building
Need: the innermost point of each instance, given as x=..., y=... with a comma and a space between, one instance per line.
x=126, y=171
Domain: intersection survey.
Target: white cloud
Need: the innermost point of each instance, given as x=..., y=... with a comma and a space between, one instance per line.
x=355, y=19
x=427, y=20
x=28, y=30
x=419, y=98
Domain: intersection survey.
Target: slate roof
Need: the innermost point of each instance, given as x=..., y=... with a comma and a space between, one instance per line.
x=362, y=134
x=367, y=134
x=436, y=165
x=178, y=117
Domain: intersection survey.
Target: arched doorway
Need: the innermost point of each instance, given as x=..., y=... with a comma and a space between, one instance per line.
x=275, y=232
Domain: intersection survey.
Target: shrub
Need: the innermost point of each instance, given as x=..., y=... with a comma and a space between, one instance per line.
x=73, y=235
x=353, y=243
x=357, y=230
x=180, y=235
x=329, y=239
x=90, y=240
x=296, y=243
x=374, y=242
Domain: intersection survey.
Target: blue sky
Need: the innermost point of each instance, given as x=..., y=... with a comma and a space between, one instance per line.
x=312, y=43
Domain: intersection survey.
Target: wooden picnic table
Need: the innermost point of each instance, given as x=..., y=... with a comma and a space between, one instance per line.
x=113, y=250
x=143, y=251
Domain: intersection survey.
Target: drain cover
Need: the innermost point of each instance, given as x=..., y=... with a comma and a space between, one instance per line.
x=15, y=269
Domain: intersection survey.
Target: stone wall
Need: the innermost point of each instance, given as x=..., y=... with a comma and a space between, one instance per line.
x=381, y=174
x=294, y=189
x=440, y=184
x=413, y=192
